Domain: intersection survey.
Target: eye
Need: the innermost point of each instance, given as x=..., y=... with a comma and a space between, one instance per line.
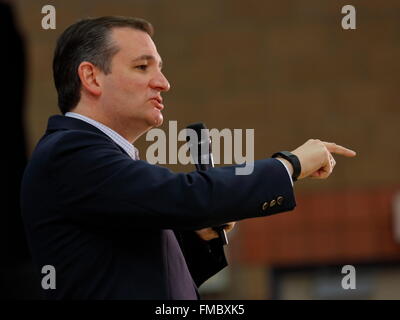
x=142, y=67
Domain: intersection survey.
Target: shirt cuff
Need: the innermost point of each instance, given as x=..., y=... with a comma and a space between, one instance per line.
x=280, y=160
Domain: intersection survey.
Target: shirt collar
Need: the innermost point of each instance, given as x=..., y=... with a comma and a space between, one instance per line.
x=117, y=138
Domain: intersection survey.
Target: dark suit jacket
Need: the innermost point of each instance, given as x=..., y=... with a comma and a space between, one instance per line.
x=105, y=221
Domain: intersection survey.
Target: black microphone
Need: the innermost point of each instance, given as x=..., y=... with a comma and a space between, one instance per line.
x=202, y=156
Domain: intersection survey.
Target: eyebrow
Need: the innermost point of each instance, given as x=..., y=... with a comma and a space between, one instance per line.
x=147, y=57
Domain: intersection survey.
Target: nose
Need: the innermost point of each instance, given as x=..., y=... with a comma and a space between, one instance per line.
x=159, y=82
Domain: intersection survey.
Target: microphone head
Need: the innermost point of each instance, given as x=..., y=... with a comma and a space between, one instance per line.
x=197, y=127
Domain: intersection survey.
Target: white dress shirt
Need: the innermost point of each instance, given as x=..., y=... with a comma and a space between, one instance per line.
x=117, y=138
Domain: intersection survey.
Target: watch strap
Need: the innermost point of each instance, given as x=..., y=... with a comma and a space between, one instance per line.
x=293, y=159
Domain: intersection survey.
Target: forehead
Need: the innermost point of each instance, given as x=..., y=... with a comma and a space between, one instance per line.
x=133, y=43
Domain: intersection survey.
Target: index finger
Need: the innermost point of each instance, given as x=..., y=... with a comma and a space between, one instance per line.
x=335, y=148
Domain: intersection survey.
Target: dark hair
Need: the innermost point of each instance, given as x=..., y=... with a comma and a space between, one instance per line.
x=87, y=40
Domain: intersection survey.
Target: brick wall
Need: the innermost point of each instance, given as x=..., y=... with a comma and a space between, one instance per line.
x=330, y=227
x=287, y=69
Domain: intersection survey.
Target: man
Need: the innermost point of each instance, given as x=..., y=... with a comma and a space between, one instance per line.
x=114, y=226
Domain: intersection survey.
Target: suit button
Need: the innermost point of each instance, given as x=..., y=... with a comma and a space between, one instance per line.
x=265, y=206
x=273, y=202
x=280, y=200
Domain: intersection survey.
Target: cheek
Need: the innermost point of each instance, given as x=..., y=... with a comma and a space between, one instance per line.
x=126, y=93
x=130, y=84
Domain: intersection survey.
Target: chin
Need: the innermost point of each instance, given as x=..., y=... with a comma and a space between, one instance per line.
x=155, y=121
x=153, y=118
x=158, y=122
x=158, y=119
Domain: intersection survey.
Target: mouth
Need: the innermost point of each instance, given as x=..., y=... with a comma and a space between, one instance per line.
x=157, y=102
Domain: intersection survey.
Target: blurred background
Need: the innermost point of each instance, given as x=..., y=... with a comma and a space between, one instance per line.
x=286, y=69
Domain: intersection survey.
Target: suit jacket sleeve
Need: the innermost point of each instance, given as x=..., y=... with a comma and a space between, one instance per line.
x=98, y=184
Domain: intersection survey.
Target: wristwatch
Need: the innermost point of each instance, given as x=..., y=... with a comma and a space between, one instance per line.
x=293, y=160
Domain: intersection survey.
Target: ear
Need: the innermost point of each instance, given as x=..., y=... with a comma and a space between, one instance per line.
x=89, y=75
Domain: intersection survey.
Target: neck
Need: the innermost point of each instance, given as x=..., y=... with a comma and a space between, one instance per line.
x=121, y=127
